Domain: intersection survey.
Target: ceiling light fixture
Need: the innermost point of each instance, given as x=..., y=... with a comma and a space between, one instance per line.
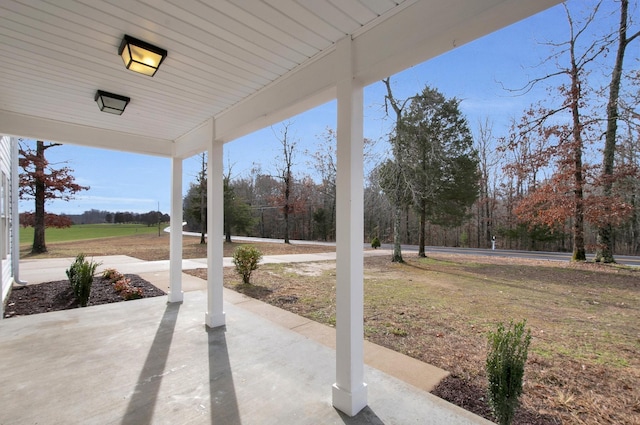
x=140, y=56
x=111, y=103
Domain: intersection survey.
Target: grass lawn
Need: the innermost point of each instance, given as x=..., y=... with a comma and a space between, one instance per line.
x=79, y=232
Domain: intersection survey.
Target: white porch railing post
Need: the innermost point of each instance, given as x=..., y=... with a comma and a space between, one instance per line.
x=215, y=220
x=349, y=391
x=175, y=237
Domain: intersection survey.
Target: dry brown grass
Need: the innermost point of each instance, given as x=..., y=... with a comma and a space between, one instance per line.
x=151, y=247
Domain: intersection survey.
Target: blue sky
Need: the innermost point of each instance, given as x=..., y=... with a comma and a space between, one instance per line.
x=474, y=73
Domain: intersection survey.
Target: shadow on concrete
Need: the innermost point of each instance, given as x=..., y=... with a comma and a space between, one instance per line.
x=365, y=416
x=222, y=392
x=143, y=401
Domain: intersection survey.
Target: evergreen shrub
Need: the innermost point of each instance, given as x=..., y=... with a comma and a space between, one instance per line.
x=505, y=368
x=80, y=275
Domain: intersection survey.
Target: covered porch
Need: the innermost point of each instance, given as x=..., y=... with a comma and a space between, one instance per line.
x=231, y=69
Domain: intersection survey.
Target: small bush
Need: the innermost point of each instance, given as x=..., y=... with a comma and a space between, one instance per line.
x=121, y=284
x=123, y=287
x=505, y=368
x=375, y=243
x=112, y=275
x=131, y=293
x=246, y=259
x=74, y=267
x=80, y=275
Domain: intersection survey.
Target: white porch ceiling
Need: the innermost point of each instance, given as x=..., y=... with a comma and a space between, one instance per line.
x=245, y=63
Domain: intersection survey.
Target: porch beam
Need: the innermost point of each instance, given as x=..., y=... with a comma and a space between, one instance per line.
x=31, y=127
x=215, y=316
x=175, y=237
x=349, y=391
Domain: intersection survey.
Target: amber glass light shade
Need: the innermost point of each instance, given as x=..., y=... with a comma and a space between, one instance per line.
x=140, y=56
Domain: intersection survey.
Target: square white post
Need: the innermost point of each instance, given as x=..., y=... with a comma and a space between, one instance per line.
x=215, y=243
x=349, y=391
x=175, y=237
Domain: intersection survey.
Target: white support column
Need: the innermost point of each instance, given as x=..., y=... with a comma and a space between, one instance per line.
x=215, y=222
x=349, y=391
x=175, y=237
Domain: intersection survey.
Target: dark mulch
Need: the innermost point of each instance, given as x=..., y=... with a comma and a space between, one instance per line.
x=465, y=394
x=473, y=398
x=57, y=295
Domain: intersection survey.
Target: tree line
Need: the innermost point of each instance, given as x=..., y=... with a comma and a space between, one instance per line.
x=95, y=216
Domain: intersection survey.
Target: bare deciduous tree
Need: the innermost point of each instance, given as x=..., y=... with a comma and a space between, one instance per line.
x=285, y=174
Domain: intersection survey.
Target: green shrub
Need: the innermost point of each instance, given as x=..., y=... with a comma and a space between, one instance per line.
x=74, y=270
x=505, y=368
x=375, y=243
x=80, y=275
x=246, y=259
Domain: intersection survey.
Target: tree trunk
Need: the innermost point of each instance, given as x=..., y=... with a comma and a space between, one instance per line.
x=397, y=250
x=422, y=232
x=227, y=233
x=39, y=245
x=397, y=242
x=579, y=252
x=203, y=217
x=286, y=211
x=604, y=250
x=203, y=194
x=488, y=218
x=406, y=225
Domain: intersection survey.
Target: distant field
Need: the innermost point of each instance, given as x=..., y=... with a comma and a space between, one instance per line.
x=80, y=232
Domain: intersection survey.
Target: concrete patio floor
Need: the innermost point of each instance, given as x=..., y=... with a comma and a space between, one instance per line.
x=149, y=362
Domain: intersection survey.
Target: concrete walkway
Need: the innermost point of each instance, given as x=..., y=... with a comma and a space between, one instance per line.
x=146, y=361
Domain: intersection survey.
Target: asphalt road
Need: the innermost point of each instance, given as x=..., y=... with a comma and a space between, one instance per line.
x=534, y=255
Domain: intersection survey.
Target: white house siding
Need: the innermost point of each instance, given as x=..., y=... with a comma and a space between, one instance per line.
x=5, y=219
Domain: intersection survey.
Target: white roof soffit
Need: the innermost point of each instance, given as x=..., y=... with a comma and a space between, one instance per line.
x=233, y=66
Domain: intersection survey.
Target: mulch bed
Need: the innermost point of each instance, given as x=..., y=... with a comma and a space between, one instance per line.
x=57, y=295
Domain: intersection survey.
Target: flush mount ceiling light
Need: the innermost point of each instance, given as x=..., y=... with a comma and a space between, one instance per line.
x=140, y=56
x=111, y=103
